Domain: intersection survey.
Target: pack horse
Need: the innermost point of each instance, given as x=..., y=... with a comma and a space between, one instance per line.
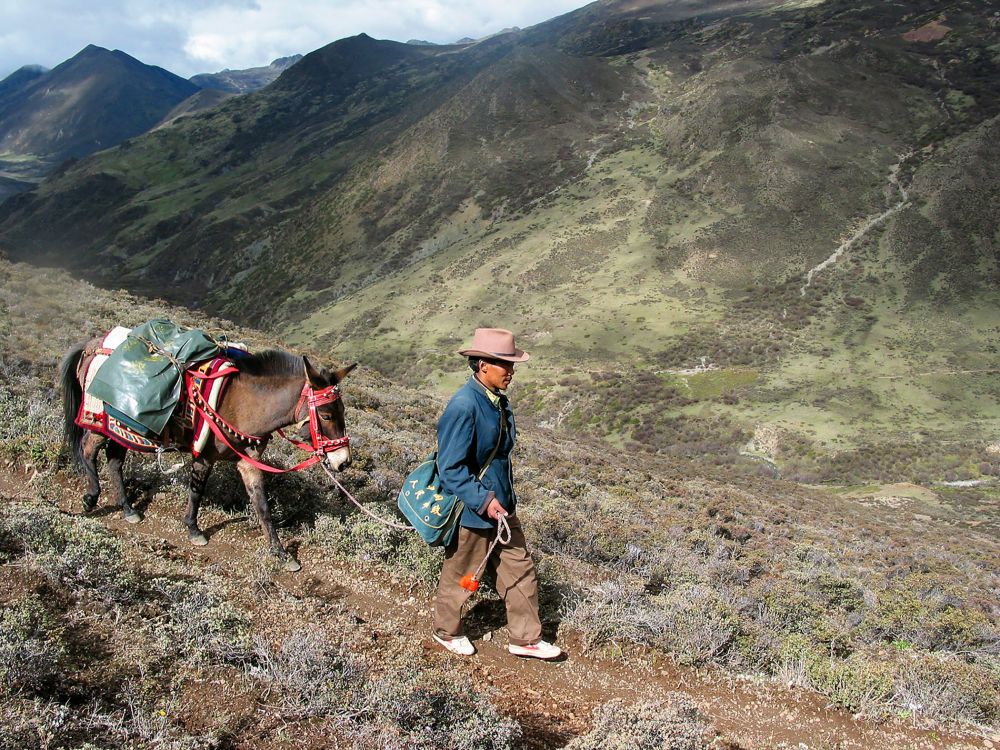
x=225, y=408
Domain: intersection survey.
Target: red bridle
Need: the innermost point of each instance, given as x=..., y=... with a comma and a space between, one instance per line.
x=321, y=445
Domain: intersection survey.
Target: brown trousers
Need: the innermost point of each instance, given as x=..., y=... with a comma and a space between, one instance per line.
x=517, y=582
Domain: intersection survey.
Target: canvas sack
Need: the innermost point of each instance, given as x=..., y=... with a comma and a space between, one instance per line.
x=433, y=513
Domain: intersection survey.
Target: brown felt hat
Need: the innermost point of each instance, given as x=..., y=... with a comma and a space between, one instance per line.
x=495, y=343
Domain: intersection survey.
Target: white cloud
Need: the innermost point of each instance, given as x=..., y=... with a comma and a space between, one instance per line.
x=203, y=36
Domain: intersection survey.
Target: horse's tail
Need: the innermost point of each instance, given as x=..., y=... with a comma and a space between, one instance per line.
x=72, y=397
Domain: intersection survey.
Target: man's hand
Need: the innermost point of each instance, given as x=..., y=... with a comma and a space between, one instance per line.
x=494, y=510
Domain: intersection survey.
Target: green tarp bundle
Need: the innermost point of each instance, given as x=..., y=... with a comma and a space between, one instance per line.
x=140, y=381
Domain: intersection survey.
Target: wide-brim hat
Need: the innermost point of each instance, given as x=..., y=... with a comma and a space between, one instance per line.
x=495, y=343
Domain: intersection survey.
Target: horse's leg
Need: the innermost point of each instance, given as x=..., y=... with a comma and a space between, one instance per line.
x=90, y=444
x=200, y=469
x=253, y=480
x=116, y=457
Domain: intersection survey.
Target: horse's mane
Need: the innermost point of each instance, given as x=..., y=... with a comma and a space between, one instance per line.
x=272, y=362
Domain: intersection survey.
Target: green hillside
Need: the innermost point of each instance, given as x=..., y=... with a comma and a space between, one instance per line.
x=767, y=228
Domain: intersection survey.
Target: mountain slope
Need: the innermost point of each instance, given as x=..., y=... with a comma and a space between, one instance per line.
x=712, y=221
x=17, y=175
x=13, y=85
x=197, y=102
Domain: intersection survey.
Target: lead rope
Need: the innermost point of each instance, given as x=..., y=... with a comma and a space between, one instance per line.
x=471, y=581
x=363, y=509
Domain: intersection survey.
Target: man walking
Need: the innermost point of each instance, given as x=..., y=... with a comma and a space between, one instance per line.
x=475, y=436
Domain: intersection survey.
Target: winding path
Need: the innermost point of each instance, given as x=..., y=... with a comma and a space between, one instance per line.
x=868, y=225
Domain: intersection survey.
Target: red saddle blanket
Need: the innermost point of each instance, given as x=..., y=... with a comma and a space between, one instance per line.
x=187, y=429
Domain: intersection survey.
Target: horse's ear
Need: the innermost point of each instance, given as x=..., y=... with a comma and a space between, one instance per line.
x=317, y=380
x=312, y=375
x=343, y=372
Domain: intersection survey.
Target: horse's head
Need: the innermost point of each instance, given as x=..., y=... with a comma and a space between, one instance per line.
x=329, y=422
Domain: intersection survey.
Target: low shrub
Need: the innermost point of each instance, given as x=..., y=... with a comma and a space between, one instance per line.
x=403, y=706
x=146, y=721
x=366, y=540
x=946, y=687
x=787, y=606
x=698, y=625
x=309, y=674
x=36, y=724
x=920, y=609
x=207, y=628
x=31, y=649
x=860, y=683
x=434, y=708
x=693, y=622
x=30, y=426
x=604, y=613
x=671, y=724
x=77, y=553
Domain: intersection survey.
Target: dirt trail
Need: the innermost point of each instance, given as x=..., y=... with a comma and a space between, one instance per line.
x=904, y=201
x=553, y=701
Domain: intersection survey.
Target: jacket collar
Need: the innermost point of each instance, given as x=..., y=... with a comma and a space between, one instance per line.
x=495, y=397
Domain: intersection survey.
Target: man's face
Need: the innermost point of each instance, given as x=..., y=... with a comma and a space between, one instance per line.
x=496, y=374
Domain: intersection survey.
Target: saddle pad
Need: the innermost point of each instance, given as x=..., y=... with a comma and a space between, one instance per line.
x=110, y=342
x=210, y=377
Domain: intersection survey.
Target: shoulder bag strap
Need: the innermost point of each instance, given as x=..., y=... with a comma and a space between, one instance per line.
x=503, y=427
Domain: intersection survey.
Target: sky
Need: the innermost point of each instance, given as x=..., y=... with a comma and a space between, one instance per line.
x=206, y=36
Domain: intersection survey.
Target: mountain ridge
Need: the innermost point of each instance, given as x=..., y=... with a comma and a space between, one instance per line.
x=247, y=79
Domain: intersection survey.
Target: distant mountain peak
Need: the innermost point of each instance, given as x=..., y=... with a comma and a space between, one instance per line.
x=284, y=62
x=52, y=115
x=93, y=50
x=246, y=80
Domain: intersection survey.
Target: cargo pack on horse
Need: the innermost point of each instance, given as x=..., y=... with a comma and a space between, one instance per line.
x=228, y=410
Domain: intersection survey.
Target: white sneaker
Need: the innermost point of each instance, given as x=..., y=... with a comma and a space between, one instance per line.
x=461, y=645
x=540, y=650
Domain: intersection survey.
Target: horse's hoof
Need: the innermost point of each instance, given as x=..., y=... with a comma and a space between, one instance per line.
x=291, y=565
x=197, y=539
x=133, y=517
x=89, y=504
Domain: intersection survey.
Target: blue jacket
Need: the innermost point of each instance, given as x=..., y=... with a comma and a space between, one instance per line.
x=466, y=435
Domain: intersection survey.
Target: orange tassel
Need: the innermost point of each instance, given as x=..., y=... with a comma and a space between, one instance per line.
x=469, y=582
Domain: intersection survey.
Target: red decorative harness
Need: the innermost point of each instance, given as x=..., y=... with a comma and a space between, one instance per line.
x=321, y=445
x=313, y=398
